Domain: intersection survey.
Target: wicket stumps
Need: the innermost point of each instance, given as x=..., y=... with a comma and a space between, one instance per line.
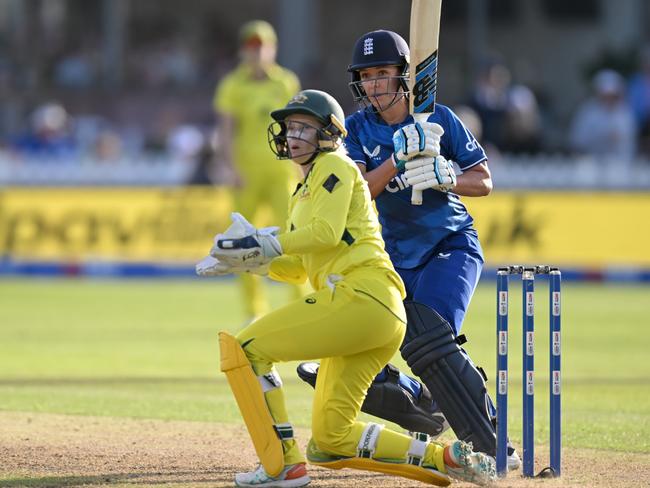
x=528, y=369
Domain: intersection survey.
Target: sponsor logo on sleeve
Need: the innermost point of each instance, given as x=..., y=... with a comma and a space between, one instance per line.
x=471, y=145
x=374, y=154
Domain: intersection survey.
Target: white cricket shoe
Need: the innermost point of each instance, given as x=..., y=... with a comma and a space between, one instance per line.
x=471, y=466
x=292, y=476
x=514, y=461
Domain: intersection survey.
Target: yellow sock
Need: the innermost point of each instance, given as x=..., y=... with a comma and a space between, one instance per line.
x=275, y=401
x=434, y=456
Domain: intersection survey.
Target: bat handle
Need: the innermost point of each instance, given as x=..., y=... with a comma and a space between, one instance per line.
x=416, y=195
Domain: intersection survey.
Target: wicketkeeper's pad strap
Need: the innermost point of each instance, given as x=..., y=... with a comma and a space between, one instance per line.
x=270, y=381
x=248, y=393
x=285, y=431
x=368, y=440
x=416, y=452
x=420, y=436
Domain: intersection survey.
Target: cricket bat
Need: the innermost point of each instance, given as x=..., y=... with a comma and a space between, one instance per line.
x=423, y=65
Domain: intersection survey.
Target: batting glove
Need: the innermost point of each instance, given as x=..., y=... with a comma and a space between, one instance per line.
x=436, y=173
x=417, y=139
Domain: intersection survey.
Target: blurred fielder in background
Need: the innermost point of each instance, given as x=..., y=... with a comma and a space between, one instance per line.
x=243, y=101
x=433, y=246
x=354, y=321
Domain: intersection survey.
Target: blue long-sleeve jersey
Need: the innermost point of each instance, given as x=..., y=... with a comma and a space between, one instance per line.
x=411, y=232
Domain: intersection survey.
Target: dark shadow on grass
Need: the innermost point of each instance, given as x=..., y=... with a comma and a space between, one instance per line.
x=215, y=479
x=104, y=381
x=353, y=477
x=101, y=381
x=148, y=479
x=157, y=478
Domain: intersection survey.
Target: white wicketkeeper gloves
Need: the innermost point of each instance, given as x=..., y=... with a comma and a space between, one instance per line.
x=242, y=248
x=418, y=139
x=209, y=266
x=425, y=173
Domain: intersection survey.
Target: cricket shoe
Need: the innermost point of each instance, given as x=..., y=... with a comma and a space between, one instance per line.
x=514, y=461
x=293, y=475
x=463, y=464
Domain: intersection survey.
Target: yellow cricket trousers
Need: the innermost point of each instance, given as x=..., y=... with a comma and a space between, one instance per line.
x=355, y=336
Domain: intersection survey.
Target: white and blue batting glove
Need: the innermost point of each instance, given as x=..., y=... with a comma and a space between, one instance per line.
x=436, y=173
x=209, y=266
x=242, y=245
x=418, y=139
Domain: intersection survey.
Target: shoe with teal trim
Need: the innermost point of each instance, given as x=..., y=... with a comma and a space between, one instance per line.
x=292, y=476
x=464, y=464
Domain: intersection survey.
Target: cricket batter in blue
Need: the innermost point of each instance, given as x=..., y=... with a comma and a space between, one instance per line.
x=434, y=246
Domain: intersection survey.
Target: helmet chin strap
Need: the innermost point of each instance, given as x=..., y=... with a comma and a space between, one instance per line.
x=314, y=153
x=324, y=145
x=311, y=158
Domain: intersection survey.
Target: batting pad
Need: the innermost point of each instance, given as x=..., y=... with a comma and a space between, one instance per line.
x=404, y=470
x=248, y=393
x=428, y=476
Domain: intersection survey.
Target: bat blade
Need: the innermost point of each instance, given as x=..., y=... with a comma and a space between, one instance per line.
x=423, y=71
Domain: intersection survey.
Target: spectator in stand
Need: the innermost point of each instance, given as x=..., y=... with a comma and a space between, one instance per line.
x=523, y=121
x=472, y=121
x=489, y=99
x=604, y=125
x=185, y=142
x=509, y=113
x=49, y=136
x=639, y=98
x=107, y=147
x=76, y=70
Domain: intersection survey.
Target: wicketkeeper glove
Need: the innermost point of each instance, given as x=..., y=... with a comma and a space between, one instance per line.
x=256, y=247
x=418, y=139
x=210, y=266
x=436, y=173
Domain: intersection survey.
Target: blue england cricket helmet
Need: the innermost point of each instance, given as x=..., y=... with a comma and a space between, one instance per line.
x=378, y=48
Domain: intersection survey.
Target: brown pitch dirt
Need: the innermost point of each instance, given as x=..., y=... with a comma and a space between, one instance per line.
x=44, y=450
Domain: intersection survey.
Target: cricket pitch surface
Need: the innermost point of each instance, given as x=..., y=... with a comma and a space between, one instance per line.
x=48, y=450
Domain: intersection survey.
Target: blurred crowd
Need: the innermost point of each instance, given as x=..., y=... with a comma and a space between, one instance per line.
x=612, y=122
x=55, y=136
x=508, y=117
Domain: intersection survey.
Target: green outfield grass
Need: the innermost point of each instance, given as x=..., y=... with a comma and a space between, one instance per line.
x=148, y=349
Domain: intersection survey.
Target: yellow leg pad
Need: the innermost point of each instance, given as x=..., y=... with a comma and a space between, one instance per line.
x=409, y=471
x=250, y=398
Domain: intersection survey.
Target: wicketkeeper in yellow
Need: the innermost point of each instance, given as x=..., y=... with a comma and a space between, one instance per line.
x=354, y=321
x=243, y=101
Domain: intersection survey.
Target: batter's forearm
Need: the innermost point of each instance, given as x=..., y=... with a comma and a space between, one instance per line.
x=473, y=184
x=379, y=177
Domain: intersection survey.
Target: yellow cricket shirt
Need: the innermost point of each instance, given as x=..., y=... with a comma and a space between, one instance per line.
x=250, y=103
x=334, y=231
